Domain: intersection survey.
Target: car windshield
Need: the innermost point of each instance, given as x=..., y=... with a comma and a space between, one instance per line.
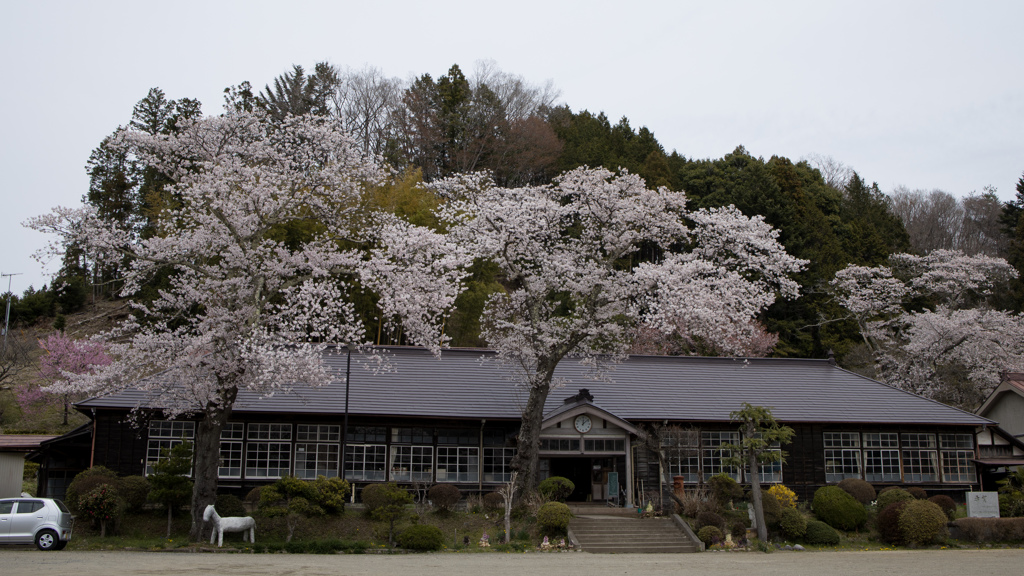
x=62, y=507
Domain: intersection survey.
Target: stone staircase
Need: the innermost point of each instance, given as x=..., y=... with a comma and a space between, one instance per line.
x=618, y=531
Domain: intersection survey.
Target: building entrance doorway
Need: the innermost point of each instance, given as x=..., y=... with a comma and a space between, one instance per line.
x=589, y=475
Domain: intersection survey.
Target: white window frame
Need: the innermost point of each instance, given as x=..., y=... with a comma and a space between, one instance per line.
x=166, y=434
x=458, y=464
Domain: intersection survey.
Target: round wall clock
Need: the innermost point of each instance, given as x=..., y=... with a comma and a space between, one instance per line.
x=582, y=423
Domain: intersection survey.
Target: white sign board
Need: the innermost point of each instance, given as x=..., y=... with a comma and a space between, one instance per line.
x=983, y=504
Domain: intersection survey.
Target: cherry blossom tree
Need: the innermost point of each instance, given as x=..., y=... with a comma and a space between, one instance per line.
x=66, y=358
x=589, y=257
x=248, y=306
x=928, y=323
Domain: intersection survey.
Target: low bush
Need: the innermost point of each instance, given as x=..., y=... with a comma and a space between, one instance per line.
x=861, y=490
x=725, y=489
x=820, y=533
x=772, y=509
x=710, y=519
x=945, y=503
x=888, y=523
x=890, y=496
x=923, y=522
x=135, y=491
x=421, y=537
x=331, y=493
x=493, y=502
x=1011, y=504
x=87, y=481
x=378, y=496
x=553, y=518
x=556, y=488
x=230, y=505
x=917, y=492
x=445, y=497
x=793, y=523
x=838, y=509
x=785, y=496
x=982, y=530
x=710, y=535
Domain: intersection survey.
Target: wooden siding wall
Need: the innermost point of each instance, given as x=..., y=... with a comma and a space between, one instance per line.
x=118, y=445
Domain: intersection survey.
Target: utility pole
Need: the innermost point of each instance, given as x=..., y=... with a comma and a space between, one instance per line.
x=7, y=315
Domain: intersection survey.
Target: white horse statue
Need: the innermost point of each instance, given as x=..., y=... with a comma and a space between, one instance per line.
x=241, y=524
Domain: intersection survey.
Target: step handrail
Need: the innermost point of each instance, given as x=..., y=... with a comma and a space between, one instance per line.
x=685, y=527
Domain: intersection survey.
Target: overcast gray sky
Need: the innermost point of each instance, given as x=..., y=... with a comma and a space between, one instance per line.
x=922, y=94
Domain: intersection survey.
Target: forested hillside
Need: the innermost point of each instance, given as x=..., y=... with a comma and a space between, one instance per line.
x=428, y=128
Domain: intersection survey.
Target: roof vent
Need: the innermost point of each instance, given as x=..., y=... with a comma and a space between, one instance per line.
x=584, y=394
x=831, y=357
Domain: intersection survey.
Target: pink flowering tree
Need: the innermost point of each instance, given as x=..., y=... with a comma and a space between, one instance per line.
x=246, y=306
x=593, y=255
x=66, y=358
x=928, y=322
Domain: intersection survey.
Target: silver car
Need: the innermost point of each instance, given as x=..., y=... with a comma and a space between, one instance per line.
x=44, y=521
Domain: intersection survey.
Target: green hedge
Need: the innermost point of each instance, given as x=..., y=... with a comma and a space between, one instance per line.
x=838, y=509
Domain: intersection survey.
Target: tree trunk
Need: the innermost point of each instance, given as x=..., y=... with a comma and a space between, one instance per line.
x=207, y=458
x=528, y=442
x=170, y=510
x=755, y=493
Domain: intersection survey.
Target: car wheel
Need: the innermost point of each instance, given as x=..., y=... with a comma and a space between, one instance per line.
x=47, y=540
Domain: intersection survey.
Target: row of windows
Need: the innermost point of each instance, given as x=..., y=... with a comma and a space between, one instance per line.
x=267, y=451
x=697, y=457
x=894, y=457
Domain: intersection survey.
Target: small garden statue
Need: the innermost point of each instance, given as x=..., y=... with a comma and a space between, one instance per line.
x=485, y=541
x=561, y=543
x=241, y=524
x=546, y=544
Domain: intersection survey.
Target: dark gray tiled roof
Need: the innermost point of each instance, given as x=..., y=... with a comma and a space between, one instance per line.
x=461, y=384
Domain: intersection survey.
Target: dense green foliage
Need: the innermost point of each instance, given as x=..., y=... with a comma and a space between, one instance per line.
x=422, y=538
x=820, y=533
x=923, y=522
x=838, y=509
x=556, y=488
x=983, y=530
x=891, y=495
x=710, y=535
x=793, y=523
x=386, y=503
x=861, y=490
x=553, y=518
x=725, y=489
x=708, y=518
x=86, y=481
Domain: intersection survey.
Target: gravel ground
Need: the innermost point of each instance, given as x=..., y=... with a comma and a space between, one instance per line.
x=925, y=563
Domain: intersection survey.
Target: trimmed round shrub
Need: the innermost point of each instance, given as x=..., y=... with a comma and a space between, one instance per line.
x=888, y=523
x=553, y=518
x=725, y=489
x=230, y=505
x=710, y=519
x=379, y=496
x=135, y=491
x=556, y=488
x=772, y=509
x=838, y=509
x=918, y=492
x=421, y=537
x=493, y=502
x=861, y=490
x=820, y=533
x=253, y=497
x=923, y=522
x=87, y=481
x=945, y=503
x=785, y=496
x=890, y=496
x=445, y=496
x=710, y=535
x=793, y=523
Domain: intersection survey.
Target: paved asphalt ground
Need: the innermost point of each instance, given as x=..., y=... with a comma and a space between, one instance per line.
x=25, y=562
